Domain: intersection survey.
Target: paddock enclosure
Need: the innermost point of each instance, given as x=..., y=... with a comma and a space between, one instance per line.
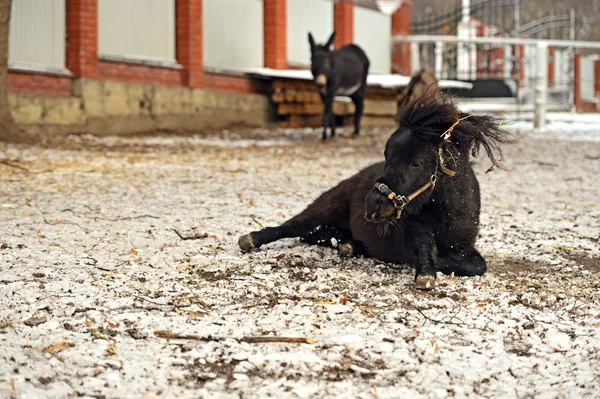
x=121, y=275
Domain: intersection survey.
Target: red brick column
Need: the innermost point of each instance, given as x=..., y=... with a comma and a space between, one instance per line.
x=82, y=37
x=343, y=22
x=275, y=34
x=597, y=78
x=577, y=81
x=189, y=41
x=401, y=25
x=550, y=66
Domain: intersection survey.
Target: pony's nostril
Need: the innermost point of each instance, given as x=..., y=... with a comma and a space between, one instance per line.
x=371, y=215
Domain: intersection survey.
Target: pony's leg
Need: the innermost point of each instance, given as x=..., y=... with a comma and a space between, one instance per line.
x=420, y=242
x=322, y=212
x=469, y=263
x=351, y=249
x=359, y=102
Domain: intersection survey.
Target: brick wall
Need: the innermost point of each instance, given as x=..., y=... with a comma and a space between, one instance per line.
x=82, y=37
x=343, y=22
x=401, y=25
x=275, y=34
x=139, y=73
x=45, y=85
x=234, y=84
x=189, y=41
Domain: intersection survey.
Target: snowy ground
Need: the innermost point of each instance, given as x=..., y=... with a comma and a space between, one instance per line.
x=92, y=271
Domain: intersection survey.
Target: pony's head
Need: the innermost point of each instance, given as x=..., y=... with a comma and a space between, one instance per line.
x=431, y=145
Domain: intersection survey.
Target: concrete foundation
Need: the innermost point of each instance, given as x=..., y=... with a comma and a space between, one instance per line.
x=104, y=107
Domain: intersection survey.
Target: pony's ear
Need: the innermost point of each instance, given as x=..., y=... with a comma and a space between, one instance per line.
x=311, y=41
x=330, y=41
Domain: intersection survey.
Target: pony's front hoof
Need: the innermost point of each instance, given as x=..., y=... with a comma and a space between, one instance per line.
x=246, y=242
x=346, y=250
x=425, y=282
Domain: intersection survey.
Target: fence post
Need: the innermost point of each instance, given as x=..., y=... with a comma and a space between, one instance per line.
x=541, y=87
x=415, y=58
x=439, y=53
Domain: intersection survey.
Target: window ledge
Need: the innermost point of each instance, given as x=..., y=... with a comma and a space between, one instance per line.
x=39, y=69
x=141, y=61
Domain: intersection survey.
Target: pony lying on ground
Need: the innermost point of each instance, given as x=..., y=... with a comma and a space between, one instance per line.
x=341, y=72
x=424, y=80
x=420, y=206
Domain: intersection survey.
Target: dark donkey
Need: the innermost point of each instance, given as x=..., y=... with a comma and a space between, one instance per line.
x=341, y=72
x=420, y=206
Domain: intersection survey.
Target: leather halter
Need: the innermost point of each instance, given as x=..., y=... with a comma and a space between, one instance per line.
x=400, y=201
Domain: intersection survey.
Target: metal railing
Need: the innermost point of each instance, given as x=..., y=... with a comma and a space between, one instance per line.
x=536, y=87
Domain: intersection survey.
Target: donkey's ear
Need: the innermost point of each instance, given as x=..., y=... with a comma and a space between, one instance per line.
x=311, y=41
x=330, y=41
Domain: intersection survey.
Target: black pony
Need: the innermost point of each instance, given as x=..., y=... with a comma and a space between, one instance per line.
x=341, y=72
x=421, y=206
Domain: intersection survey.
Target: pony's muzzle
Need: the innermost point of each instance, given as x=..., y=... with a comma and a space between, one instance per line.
x=321, y=80
x=378, y=208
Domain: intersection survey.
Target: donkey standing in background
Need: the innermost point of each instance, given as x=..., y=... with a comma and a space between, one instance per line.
x=341, y=72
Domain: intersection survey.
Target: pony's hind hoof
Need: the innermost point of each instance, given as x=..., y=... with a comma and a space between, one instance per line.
x=246, y=242
x=345, y=250
x=425, y=282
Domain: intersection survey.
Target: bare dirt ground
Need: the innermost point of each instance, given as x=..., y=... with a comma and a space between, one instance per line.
x=95, y=282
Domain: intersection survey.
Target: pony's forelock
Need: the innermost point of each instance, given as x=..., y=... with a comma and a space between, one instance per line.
x=430, y=116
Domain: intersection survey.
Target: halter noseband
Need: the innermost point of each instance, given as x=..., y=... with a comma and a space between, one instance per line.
x=400, y=201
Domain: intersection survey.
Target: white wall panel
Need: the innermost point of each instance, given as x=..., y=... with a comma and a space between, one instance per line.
x=373, y=33
x=233, y=33
x=303, y=16
x=137, y=29
x=37, y=33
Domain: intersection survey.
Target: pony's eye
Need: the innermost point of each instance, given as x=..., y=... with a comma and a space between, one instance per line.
x=416, y=164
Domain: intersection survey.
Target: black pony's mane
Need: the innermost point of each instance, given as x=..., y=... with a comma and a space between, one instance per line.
x=429, y=117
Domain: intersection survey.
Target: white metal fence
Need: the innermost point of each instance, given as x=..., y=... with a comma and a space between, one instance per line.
x=233, y=33
x=136, y=29
x=373, y=33
x=303, y=16
x=538, y=94
x=37, y=34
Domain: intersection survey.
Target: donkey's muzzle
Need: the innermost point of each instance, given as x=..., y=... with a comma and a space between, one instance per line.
x=321, y=80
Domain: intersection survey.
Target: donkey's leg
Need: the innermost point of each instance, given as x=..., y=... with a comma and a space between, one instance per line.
x=468, y=263
x=327, y=115
x=332, y=120
x=420, y=242
x=324, y=211
x=359, y=100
